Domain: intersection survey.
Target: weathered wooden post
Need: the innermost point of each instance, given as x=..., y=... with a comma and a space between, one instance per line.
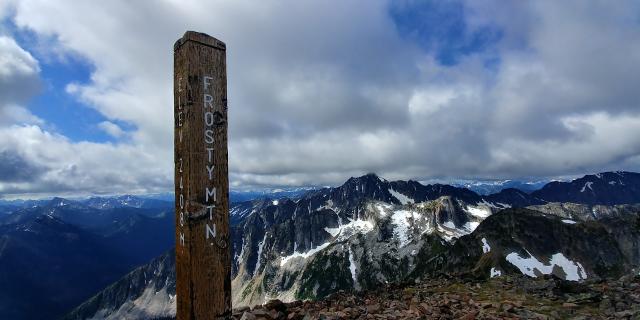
x=203, y=257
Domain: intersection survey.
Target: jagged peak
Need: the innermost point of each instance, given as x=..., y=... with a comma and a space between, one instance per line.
x=366, y=178
x=58, y=201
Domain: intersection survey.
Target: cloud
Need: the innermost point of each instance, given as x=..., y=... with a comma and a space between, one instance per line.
x=19, y=81
x=14, y=168
x=112, y=129
x=322, y=91
x=77, y=168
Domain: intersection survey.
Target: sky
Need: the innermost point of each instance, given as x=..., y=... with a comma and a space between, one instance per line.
x=320, y=91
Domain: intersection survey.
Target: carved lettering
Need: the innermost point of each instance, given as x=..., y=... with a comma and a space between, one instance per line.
x=210, y=193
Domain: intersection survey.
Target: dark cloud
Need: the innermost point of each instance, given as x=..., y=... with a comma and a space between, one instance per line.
x=15, y=168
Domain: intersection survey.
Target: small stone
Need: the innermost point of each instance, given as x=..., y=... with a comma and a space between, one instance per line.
x=507, y=307
x=569, y=305
x=470, y=316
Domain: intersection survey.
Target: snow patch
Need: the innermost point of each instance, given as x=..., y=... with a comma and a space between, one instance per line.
x=345, y=231
x=303, y=255
x=274, y=202
x=568, y=221
x=383, y=209
x=260, y=246
x=573, y=270
x=485, y=246
x=586, y=185
x=352, y=268
x=401, y=197
x=403, y=219
x=449, y=224
x=239, y=256
x=495, y=272
x=471, y=225
x=479, y=212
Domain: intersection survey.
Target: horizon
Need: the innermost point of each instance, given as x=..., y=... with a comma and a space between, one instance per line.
x=416, y=90
x=457, y=182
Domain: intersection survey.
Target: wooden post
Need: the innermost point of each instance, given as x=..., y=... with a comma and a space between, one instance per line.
x=203, y=257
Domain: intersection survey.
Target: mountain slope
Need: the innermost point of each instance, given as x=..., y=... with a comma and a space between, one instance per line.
x=147, y=292
x=534, y=243
x=40, y=258
x=370, y=231
x=607, y=188
x=58, y=253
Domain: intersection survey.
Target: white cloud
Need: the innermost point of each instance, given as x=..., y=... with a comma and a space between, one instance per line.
x=15, y=61
x=19, y=80
x=322, y=91
x=85, y=167
x=112, y=129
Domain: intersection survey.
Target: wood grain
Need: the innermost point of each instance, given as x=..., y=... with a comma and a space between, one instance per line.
x=203, y=266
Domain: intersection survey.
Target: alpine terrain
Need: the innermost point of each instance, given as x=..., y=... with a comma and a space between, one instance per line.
x=370, y=232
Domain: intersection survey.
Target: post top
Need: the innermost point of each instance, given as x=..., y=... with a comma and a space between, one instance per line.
x=201, y=38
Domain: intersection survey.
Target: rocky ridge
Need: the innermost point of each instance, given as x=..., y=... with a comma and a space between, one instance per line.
x=516, y=297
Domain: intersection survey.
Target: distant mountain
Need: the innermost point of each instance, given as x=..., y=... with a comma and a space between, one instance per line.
x=487, y=187
x=126, y=201
x=513, y=198
x=267, y=194
x=603, y=188
x=370, y=231
x=48, y=265
x=148, y=292
x=57, y=254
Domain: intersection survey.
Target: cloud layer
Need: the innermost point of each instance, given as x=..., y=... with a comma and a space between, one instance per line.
x=320, y=91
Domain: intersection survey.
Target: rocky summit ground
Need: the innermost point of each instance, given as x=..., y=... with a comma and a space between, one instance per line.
x=499, y=298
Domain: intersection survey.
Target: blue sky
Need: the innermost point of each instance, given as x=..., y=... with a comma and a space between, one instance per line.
x=62, y=112
x=321, y=92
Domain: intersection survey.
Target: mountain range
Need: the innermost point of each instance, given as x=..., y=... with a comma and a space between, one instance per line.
x=370, y=231
x=58, y=253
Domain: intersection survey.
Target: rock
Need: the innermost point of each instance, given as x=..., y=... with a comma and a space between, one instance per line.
x=451, y=299
x=275, y=305
x=373, y=308
x=261, y=313
x=247, y=315
x=469, y=316
x=624, y=314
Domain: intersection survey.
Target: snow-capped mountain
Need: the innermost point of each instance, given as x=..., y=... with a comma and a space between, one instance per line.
x=370, y=231
x=125, y=201
x=535, y=243
x=486, y=187
x=608, y=188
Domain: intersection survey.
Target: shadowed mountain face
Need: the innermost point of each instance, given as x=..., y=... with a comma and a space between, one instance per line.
x=148, y=292
x=59, y=253
x=47, y=265
x=608, y=188
x=369, y=232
